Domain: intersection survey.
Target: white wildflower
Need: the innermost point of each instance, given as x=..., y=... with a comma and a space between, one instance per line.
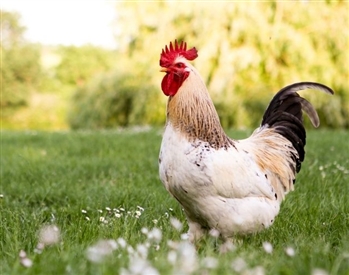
x=122, y=209
x=49, y=235
x=1, y=196
x=100, y=211
x=176, y=223
x=116, y=210
x=140, y=208
x=108, y=208
x=290, y=251
x=155, y=221
x=117, y=215
x=83, y=211
x=87, y=218
x=268, y=247
x=171, y=209
x=138, y=213
x=101, y=219
x=98, y=252
x=166, y=215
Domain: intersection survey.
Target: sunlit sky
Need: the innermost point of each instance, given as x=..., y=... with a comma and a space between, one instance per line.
x=66, y=22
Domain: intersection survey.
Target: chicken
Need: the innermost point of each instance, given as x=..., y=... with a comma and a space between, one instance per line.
x=232, y=186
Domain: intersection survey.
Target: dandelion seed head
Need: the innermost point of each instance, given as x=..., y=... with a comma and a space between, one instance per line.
x=239, y=265
x=258, y=270
x=99, y=251
x=214, y=233
x=268, y=247
x=172, y=257
x=155, y=235
x=121, y=242
x=186, y=258
x=210, y=262
x=142, y=251
x=22, y=254
x=226, y=247
x=141, y=266
x=26, y=262
x=49, y=235
x=144, y=230
x=176, y=223
x=185, y=236
x=319, y=271
x=290, y=251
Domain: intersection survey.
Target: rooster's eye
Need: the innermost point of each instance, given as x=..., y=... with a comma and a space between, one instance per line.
x=180, y=65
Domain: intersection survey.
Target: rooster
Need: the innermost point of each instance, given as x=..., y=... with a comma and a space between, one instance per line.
x=232, y=186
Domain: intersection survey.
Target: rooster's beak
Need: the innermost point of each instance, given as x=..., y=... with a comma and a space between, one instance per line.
x=164, y=70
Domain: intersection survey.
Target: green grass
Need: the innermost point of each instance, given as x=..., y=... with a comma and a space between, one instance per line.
x=49, y=178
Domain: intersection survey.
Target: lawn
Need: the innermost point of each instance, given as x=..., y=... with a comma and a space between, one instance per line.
x=98, y=198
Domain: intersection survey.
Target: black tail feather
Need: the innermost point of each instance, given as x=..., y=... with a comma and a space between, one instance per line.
x=284, y=114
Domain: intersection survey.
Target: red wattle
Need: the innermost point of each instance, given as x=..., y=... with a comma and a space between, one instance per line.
x=170, y=84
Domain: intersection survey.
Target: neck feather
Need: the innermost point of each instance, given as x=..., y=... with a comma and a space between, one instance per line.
x=191, y=111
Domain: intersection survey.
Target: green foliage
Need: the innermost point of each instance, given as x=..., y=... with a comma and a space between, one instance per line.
x=49, y=178
x=247, y=52
x=80, y=64
x=115, y=100
x=20, y=68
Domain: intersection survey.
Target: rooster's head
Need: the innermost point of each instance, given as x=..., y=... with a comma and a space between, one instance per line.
x=173, y=60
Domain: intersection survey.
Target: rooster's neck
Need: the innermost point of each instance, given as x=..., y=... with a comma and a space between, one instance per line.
x=191, y=111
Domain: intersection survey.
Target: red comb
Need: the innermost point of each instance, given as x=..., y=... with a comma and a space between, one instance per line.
x=169, y=54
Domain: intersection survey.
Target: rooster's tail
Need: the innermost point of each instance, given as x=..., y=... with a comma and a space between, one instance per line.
x=284, y=114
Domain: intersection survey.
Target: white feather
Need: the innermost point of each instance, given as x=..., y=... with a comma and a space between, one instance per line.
x=223, y=189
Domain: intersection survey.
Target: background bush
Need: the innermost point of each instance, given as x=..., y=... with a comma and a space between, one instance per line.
x=247, y=52
x=116, y=100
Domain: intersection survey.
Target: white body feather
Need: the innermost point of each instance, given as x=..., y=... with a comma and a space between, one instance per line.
x=224, y=189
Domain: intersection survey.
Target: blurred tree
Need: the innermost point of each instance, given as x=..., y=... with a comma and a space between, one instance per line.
x=247, y=52
x=20, y=66
x=80, y=64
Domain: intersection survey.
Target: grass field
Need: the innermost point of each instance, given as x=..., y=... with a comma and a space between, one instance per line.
x=112, y=215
